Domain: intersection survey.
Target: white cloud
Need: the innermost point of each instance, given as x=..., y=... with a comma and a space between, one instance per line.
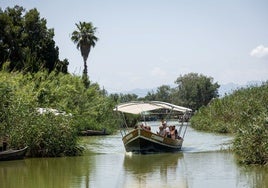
x=259, y=52
x=158, y=72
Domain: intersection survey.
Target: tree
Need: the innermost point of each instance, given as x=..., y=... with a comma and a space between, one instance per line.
x=26, y=44
x=84, y=38
x=163, y=93
x=196, y=90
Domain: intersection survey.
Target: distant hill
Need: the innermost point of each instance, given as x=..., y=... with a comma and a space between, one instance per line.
x=224, y=89
x=228, y=88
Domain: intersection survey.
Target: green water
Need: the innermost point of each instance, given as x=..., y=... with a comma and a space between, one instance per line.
x=202, y=163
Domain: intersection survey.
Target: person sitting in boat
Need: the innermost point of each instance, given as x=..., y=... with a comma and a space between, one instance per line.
x=166, y=129
x=176, y=132
x=145, y=127
x=161, y=131
x=173, y=132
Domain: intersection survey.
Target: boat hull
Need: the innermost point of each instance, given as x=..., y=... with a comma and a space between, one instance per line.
x=142, y=141
x=93, y=133
x=13, y=154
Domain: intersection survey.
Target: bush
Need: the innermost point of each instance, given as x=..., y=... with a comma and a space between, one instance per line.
x=47, y=134
x=242, y=113
x=251, y=144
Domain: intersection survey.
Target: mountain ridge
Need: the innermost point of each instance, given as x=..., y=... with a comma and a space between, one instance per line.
x=224, y=89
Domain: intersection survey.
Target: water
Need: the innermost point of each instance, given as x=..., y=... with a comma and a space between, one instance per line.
x=203, y=162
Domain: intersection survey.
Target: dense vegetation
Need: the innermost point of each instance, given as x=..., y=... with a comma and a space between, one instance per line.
x=193, y=91
x=243, y=113
x=33, y=77
x=49, y=134
x=26, y=44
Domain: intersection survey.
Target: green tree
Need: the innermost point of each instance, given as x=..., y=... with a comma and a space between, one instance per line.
x=26, y=44
x=163, y=93
x=85, y=38
x=196, y=90
x=10, y=35
x=150, y=96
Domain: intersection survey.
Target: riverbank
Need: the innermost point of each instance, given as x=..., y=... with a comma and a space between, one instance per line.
x=202, y=163
x=243, y=114
x=51, y=134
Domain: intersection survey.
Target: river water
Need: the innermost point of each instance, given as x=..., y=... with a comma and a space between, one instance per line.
x=203, y=162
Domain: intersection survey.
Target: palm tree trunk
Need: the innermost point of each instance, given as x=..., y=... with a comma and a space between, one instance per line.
x=85, y=76
x=85, y=68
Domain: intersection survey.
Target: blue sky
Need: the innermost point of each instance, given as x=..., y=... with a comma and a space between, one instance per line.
x=149, y=43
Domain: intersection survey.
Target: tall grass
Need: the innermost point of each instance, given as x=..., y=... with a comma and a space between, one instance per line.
x=48, y=135
x=243, y=113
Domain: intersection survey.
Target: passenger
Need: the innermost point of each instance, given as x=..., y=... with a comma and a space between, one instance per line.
x=142, y=126
x=148, y=127
x=176, y=132
x=161, y=131
x=145, y=127
x=166, y=129
x=172, y=132
x=169, y=131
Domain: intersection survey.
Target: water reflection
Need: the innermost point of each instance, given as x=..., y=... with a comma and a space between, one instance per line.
x=154, y=170
x=46, y=172
x=201, y=164
x=255, y=176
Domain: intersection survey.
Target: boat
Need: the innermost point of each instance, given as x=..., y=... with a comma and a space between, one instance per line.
x=142, y=140
x=93, y=133
x=13, y=154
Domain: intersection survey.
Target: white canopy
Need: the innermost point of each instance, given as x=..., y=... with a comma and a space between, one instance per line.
x=137, y=107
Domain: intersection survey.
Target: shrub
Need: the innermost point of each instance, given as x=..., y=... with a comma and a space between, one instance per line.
x=251, y=144
x=243, y=113
x=48, y=135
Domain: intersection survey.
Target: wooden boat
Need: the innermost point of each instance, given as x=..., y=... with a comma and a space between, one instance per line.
x=143, y=141
x=13, y=154
x=140, y=140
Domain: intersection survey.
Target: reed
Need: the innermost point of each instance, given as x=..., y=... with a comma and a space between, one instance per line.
x=244, y=114
x=50, y=135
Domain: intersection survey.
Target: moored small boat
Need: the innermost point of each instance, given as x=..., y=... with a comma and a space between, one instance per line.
x=12, y=154
x=93, y=133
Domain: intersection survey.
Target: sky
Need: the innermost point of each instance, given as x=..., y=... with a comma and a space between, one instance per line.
x=150, y=43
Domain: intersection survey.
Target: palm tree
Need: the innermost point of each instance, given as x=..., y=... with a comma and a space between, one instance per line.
x=84, y=37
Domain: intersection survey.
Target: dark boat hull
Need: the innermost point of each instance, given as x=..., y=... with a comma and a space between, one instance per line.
x=93, y=133
x=13, y=154
x=142, y=141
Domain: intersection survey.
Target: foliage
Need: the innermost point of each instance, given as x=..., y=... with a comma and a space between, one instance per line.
x=192, y=90
x=26, y=44
x=122, y=98
x=243, y=113
x=196, y=90
x=47, y=134
x=5, y=98
x=84, y=38
x=251, y=144
x=163, y=93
